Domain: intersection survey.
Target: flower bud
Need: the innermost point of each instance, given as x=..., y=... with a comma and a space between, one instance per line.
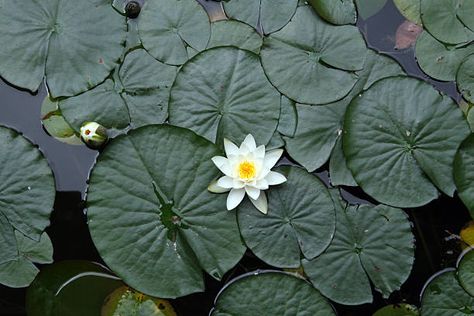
x=93, y=134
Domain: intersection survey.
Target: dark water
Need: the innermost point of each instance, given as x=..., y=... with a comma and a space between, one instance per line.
x=433, y=223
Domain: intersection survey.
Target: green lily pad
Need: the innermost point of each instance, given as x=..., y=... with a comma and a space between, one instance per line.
x=466, y=271
x=267, y=16
x=465, y=77
x=55, y=124
x=399, y=153
x=445, y=20
x=336, y=12
x=288, y=117
x=464, y=172
x=8, y=246
x=223, y=92
x=21, y=271
x=275, y=142
x=439, y=60
x=371, y=243
x=72, y=288
x=74, y=44
x=316, y=134
x=270, y=293
x=127, y=302
x=138, y=96
x=295, y=61
x=235, y=33
x=369, y=8
x=398, y=310
x=339, y=173
x=167, y=27
x=444, y=296
x=148, y=199
x=27, y=188
x=410, y=9
x=300, y=219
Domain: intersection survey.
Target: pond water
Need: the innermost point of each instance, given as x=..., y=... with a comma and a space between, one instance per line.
x=434, y=224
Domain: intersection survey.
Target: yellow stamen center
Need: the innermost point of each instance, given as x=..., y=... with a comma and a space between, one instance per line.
x=247, y=170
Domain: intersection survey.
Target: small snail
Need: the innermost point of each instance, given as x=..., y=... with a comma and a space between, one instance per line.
x=132, y=9
x=93, y=134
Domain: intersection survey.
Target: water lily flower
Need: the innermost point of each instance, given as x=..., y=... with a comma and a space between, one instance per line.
x=247, y=169
x=93, y=134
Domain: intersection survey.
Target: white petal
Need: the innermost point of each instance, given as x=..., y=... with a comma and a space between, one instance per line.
x=275, y=178
x=214, y=188
x=231, y=149
x=252, y=192
x=223, y=164
x=272, y=157
x=238, y=184
x=249, y=142
x=262, y=184
x=263, y=173
x=234, y=198
x=226, y=182
x=261, y=203
x=259, y=153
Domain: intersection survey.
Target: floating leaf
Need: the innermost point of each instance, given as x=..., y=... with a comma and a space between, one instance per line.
x=336, y=12
x=8, y=246
x=397, y=310
x=266, y=15
x=167, y=27
x=410, y=10
x=406, y=35
x=21, y=271
x=444, y=296
x=139, y=95
x=235, y=33
x=72, y=288
x=295, y=61
x=127, y=302
x=148, y=199
x=75, y=44
x=371, y=243
x=300, y=219
x=467, y=235
x=466, y=271
x=270, y=293
x=288, y=117
x=439, y=60
x=397, y=152
x=368, y=8
x=55, y=124
x=338, y=172
x=446, y=20
x=223, y=92
x=464, y=172
x=465, y=77
x=26, y=184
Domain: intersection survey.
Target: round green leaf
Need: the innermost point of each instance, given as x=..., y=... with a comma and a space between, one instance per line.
x=373, y=243
x=439, y=60
x=26, y=184
x=270, y=293
x=72, y=288
x=21, y=271
x=8, y=246
x=223, y=92
x=138, y=95
x=444, y=20
x=410, y=10
x=398, y=310
x=296, y=61
x=444, y=296
x=397, y=152
x=267, y=16
x=465, y=77
x=339, y=173
x=55, y=124
x=368, y=8
x=148, y=199
x=464, y=172
x=167, y=27
x=466, y=272
x=288, y=117
x=300, y=219
x=75, y=44
x=235, y=33
x=336, y=12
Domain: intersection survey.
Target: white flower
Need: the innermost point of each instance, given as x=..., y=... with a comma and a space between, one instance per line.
x=247, y=170
x=93, y=134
